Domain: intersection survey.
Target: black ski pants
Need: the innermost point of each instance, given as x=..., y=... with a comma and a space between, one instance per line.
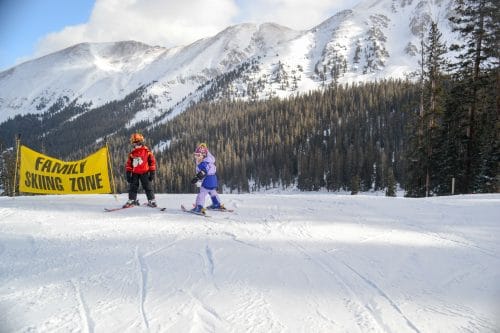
x=146, y=185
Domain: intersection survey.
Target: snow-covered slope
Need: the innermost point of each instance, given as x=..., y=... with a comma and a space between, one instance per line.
x=376, y=39
x=279, y=263
x=92, y=72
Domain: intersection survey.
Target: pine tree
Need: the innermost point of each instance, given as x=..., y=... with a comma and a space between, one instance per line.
x=418, y=169
x=477, y=21
x=434, y=106
x=7, y=171
x=391, y=184
x=355, y=184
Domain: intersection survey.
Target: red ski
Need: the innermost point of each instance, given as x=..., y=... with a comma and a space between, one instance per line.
x=117, y=208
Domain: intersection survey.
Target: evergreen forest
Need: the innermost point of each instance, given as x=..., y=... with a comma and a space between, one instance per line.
x=353, y=138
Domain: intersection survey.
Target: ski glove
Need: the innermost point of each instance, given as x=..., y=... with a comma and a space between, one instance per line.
x=129, y=177
x=199, y=176
x=151, y=175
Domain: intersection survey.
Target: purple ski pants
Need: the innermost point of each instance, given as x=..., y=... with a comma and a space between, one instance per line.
x=200, y=198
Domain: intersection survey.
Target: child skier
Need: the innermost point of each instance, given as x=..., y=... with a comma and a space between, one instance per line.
x=206, y=179
x=140, y=166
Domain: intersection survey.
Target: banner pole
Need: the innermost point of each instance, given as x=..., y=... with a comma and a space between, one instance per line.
x=110, y=165
x=18, y=143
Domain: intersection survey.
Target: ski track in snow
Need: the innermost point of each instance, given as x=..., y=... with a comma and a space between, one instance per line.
x=205, y=318
x=142, y=277
x=384, y=295
x=82, y=307
x=210, y=259
x=365, y=318
x=282, y=262
x=253, y=310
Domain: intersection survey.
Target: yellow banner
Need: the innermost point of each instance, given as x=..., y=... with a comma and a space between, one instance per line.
x=43, y=174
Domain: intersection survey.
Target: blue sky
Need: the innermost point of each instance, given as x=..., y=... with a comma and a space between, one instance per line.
x=33, y=28
x=23, y=22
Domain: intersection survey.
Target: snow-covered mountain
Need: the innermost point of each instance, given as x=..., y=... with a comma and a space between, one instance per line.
x=376, y=39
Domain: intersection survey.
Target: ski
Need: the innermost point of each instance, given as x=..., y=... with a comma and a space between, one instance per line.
x=184, y=209
x=143, y=205
x=117, y=208
x=160, y=208
x=220, y=210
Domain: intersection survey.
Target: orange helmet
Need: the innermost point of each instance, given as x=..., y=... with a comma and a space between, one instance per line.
x=136, y=138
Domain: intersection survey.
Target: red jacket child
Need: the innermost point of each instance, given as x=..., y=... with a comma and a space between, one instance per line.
x=141, y=160
x=140, y=167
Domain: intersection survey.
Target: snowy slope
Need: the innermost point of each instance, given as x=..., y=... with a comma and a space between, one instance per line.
x=376, y=39
x=279, y=263
x=97, y=73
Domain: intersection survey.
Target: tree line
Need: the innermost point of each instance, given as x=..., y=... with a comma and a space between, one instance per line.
x=323, y=139
x=456, y=132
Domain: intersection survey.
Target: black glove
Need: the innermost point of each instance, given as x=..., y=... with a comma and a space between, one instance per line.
x=199, y=176
x=129, y=177
x=151, y=175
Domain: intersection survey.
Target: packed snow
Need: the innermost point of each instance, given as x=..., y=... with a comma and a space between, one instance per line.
x=291, y=262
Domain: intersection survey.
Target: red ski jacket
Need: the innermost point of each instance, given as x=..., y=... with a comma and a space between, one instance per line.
x=141, y=160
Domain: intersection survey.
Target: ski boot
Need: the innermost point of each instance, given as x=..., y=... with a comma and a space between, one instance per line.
x=152, y=203
x=131, y=203
x=216, y=207
x=198, y=210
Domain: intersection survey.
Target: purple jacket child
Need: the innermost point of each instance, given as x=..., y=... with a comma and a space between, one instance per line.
x=206, y=177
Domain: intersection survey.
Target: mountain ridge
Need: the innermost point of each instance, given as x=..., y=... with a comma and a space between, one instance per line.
x=359, y=44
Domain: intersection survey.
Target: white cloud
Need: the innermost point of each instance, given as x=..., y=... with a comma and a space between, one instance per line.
x=59, y=40
x=173, y=22
x=156, y=22
x=295, y=14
